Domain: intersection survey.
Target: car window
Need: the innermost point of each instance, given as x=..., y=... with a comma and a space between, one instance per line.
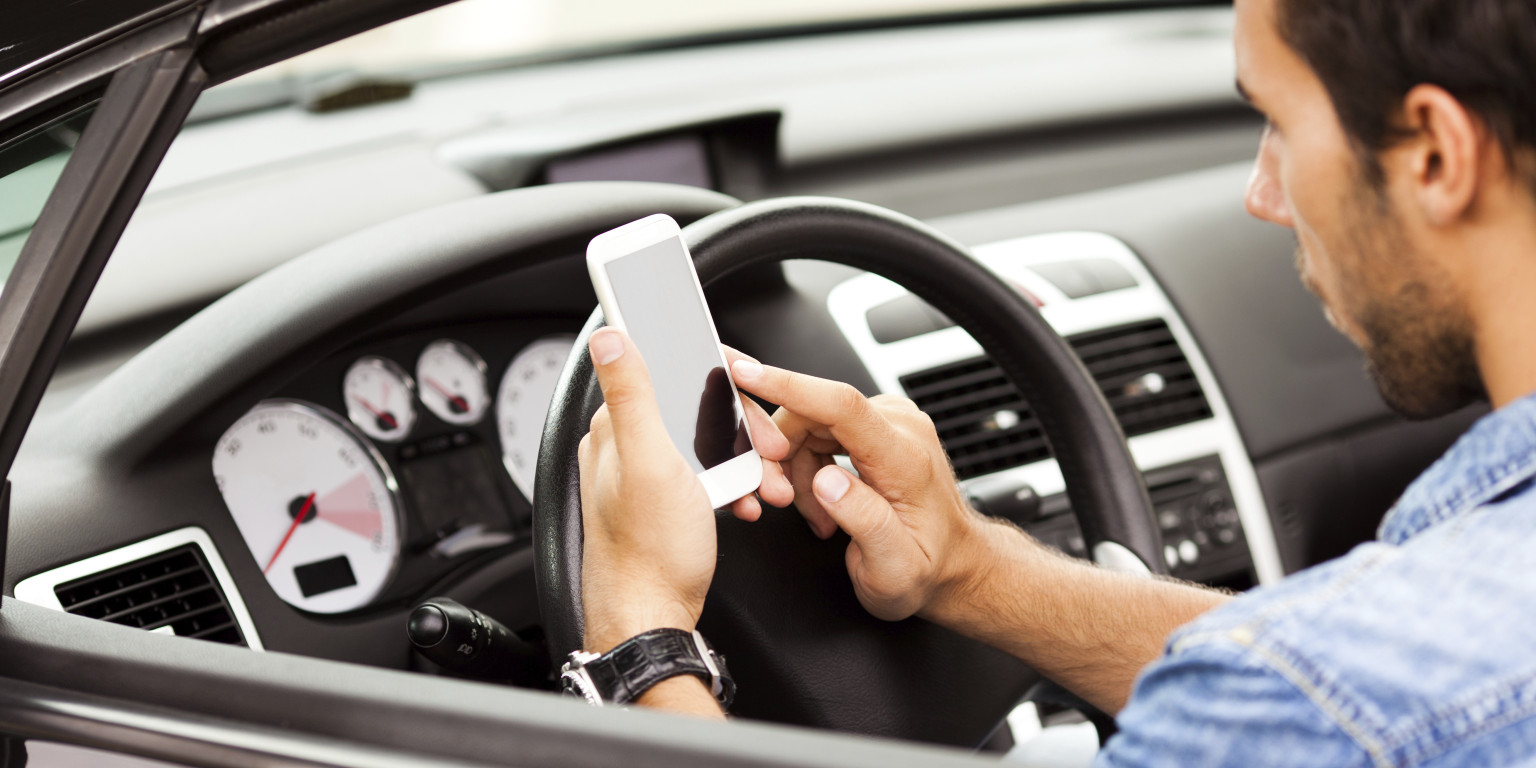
x=30, y=166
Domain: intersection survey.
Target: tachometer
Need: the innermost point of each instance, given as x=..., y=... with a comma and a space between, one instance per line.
x=522, y=402
x=315, y=503
x=452, y=380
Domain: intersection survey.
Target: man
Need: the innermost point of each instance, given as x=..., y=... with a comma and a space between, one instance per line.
x=1401, y=148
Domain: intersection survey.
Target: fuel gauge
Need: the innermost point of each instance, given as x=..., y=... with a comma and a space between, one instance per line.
x=381, y=398
x=453, y=382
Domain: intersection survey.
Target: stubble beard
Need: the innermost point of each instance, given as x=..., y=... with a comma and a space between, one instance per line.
x=1419, y=346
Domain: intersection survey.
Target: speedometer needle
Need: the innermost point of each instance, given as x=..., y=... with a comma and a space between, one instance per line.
x=297, y=519
x=459, y=404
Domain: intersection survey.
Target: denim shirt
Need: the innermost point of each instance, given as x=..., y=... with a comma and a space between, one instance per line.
x=1418, y=649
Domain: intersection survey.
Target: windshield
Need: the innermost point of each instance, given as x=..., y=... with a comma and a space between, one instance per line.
x=472, y=31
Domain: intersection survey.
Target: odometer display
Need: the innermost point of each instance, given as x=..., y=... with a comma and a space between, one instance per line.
x=315, y=503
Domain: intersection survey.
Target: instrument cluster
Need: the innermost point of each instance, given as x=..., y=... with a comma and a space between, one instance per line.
x=372, y=476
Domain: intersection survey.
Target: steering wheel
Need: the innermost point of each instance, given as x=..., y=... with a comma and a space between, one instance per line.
x=781, y=607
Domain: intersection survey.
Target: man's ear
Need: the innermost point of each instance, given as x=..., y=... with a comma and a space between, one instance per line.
x=1445, y=160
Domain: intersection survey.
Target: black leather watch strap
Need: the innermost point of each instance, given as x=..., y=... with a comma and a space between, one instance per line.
x=634, y=666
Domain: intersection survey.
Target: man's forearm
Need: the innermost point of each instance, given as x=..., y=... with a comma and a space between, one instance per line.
x=1089, y=629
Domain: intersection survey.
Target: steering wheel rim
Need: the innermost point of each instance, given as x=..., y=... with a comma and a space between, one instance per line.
x=834, y=670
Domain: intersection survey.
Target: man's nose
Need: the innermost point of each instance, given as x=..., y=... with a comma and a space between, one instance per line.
x=1265, y=197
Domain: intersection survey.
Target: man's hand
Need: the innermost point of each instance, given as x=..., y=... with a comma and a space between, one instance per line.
x=918, y=548
x=914, y=534
x=649, y=549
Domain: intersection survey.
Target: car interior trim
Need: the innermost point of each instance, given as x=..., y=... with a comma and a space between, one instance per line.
x=51, y=663
x=39, y=588
x=85, y=215
x=850, y=302
x=92, y=67
x=267, y=34
x=34, y=711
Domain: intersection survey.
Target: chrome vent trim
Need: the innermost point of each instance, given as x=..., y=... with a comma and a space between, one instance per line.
x=174, y=583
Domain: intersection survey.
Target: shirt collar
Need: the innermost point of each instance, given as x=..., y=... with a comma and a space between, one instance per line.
x=1497, y=455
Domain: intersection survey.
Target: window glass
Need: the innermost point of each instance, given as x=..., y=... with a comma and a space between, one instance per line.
x=30, y=166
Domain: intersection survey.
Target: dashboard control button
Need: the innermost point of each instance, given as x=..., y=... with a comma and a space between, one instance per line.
x=1189, y=552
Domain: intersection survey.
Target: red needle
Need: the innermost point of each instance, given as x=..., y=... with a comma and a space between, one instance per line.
x=383, y=416
x=299, y=518
x=462, y=404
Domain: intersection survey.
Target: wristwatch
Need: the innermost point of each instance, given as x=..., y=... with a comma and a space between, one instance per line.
x=635, y=665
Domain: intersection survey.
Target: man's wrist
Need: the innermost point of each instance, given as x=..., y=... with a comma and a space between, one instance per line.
x=984, y=547
x=684, y=694
x=607, y=632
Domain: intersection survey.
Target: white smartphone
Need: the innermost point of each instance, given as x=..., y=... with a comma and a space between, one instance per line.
x=646, y=285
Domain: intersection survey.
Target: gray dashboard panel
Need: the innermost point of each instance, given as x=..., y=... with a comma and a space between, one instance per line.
x=1233, y=280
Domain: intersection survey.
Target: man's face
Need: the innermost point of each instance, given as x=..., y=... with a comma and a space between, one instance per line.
x=1359, y=250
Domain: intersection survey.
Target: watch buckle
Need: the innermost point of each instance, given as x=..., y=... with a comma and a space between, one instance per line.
x=707, y=655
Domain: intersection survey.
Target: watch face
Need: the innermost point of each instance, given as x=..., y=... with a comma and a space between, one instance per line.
x=575, y=679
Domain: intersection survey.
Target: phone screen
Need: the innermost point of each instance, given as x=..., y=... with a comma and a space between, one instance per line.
x=654, y=288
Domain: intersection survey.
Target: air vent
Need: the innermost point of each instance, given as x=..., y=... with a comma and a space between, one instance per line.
x=1144, y=376
x=172, y=591
x=987, y=426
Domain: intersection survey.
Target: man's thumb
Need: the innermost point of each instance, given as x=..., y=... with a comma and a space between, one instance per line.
x=626, y=385
x=856, y=508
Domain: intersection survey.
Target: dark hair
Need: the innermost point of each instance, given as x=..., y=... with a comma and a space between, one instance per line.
x=1370, y=53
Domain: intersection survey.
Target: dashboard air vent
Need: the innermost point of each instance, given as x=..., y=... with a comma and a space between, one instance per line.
x=172, y=591
x=987, y=426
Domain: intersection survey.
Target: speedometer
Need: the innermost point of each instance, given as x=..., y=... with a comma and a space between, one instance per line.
x=315, y=503
x=522, y=402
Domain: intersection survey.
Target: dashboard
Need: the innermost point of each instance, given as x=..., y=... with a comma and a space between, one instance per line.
x=337, y=349
x=397, y=465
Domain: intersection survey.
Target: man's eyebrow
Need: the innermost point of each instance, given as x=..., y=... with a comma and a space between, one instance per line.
x=1242, y=91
